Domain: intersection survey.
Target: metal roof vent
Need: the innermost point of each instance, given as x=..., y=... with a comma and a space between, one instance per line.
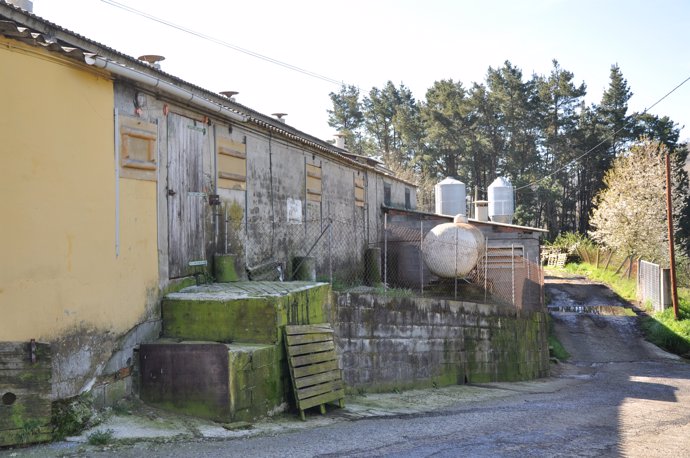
x=280, y=116
x=229, y=94
x=26, y=5
x=152, y=59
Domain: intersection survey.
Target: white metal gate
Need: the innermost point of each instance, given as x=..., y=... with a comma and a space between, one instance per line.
x=649, y=284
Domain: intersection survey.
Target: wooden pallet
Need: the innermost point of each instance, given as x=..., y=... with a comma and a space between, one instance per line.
x=316, y=376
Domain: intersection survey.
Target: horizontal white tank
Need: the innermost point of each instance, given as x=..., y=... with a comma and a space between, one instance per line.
x=451, y=250
x=450, y=197
x=501, y=206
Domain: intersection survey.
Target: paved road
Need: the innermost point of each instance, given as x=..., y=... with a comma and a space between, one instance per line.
x=619, y=396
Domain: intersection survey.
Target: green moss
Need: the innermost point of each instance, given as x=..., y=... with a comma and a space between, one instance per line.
x=177, y=285
x=250, y=320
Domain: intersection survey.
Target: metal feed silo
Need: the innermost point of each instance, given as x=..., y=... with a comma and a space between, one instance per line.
x=501, y=205
x=450, y=197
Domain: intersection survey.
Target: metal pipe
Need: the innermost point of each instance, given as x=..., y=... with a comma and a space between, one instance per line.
x=385, y=253
x=117, y=182
x=164, y=86
x=512, y=268
x=421, y=259
x=486, y=266
x=226, y=228
x=330, y=247
x=455, y=279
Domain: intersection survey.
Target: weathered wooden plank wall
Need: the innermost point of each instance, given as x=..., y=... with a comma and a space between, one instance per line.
x=25, y=389
x=187, y=204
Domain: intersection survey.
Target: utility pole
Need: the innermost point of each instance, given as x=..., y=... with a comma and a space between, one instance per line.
x=669, y=218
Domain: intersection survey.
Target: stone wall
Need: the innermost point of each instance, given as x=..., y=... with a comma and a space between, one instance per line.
x=389, y=343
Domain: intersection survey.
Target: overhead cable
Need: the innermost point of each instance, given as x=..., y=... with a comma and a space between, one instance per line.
x=223, y=43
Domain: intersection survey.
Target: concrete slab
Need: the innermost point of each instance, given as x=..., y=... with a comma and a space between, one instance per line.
x=241, y=290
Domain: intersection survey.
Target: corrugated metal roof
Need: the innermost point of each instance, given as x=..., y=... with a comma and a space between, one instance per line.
x=33, y=30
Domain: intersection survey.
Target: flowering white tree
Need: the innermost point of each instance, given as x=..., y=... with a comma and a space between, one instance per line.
x=630, y=212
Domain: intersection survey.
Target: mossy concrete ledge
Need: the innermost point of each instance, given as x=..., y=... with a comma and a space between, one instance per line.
x=248, y=312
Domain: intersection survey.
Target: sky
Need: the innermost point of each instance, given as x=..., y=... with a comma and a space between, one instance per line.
x=369, y=42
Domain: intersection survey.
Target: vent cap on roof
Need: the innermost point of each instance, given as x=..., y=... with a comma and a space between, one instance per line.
x=229, y=94
x=152, y=59
x=280, y=116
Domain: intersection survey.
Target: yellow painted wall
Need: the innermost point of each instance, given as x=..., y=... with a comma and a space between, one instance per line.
x=58, y=266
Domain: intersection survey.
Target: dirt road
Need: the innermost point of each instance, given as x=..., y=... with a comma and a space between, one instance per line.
x=595, y=325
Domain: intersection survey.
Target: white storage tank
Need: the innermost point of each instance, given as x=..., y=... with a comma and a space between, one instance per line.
x=450, y=197
x=501, y=206
x=451, y=250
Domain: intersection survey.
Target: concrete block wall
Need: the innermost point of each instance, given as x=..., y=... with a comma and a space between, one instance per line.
x=388, y=343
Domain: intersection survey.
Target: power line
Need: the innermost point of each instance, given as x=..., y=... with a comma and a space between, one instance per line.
x=223, y=43
x=603, y=141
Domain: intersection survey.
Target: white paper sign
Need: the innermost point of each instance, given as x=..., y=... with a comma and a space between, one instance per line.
x=294, y=211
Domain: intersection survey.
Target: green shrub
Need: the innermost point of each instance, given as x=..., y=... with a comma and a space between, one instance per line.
x=572, y=243
x=101, y=437
x=71, y=416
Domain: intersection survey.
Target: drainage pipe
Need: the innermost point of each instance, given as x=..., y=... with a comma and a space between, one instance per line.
x=163, y=86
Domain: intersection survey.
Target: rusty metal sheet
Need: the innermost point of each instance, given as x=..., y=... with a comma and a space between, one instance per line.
x=190, y=378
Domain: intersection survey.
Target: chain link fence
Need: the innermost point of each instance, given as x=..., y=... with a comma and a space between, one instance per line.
x=338, y=251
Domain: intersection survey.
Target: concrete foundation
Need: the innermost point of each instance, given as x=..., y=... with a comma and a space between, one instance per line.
x=222, y=356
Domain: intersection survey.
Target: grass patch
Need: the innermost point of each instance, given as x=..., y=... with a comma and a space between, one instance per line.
x=101, y=437
x=660, y=328
x=624, y=287
x=556, y=349
x=663, y=330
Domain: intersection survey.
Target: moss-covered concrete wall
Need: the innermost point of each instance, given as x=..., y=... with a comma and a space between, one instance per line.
x=388, y=343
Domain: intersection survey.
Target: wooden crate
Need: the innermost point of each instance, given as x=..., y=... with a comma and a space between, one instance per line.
x=316, y=376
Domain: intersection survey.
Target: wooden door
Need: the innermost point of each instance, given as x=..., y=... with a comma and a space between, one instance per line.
x=187, y=141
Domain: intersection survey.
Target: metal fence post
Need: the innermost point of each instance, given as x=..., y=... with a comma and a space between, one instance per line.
x=512, y=268
x=455, y=277
x=421, y=257
x=385, y=253
x=330, y=250
x=486, y=267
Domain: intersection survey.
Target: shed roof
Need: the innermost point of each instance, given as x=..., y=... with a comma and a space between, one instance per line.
x=24, y=26
x=511, y=227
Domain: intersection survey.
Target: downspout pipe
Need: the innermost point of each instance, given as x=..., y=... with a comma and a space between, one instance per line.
x=163, y=86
